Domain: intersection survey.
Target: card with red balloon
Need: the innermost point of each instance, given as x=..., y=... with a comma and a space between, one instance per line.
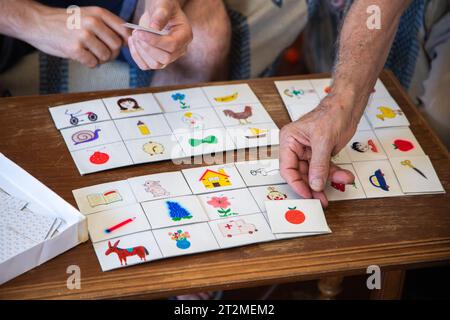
x=296, y=216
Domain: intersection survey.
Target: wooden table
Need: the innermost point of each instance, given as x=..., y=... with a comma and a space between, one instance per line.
x=395, y=233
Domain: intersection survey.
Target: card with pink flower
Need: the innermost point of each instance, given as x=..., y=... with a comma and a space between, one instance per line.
x=228, y=204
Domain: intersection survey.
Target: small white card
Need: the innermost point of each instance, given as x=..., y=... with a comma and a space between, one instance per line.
x=399, y=142
x=380, y=90
x=228, y=204
x=293, y=92
x=363, y=124
x=104, y=197
x=182, y=100
x=213, y=178
x=416, y=175
x=342, y=157
x=378, y=179
x=291, y=216
x=208, y=141
x=296, y=111
x=365, y=146
x=258, y=135
x=132, y=106
x=101, y=158
x=193, y=238
x=117, y=222
x=339, y=191
x=143, y=127
x=174, y=212
x=90, y=135
x=322, y=86
x=133, y=26
x=230, y=95
x=128, y=250
x=260, y=172
x=385, y=112
x=75, y=114
x=196, y=119
x=159, y=186
x=245, y=114
x=241, y=231
x=272, y=193
x=154, y=149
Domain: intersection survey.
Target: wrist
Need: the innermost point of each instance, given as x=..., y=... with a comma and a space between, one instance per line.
x=27, y=19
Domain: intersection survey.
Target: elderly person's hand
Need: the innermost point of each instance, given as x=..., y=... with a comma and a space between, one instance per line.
x=151, y=51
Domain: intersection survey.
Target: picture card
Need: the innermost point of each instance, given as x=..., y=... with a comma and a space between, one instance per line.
x=205, y=141
x=289, y=216
x=363, y=124
x=133, y=26
x=341, y=158
x=154, y=149
x=230, y=95
x=260, y=172
x=339, y=191
x=365, y=146
x=187, y=239
x=272, y=193
x=143, y=127
x=190, y=120
x=258, y=135
x=80, y=113
x=103, y=197
x=322, y=86
x=101, y=158
x=117, y=222
x=416, y=175
x=399, y=142
x=241, y=231
x=182, y=100
x=128, y=250
x=213, y=178
x=385, y=112
x=159, y=186
x=228, y=204
x=296, y=111
x=132, y=106
x=174, y=211
x=378, y=179
x=243, y=114
x=293, y=92
x=90, y=135
x=380, y=91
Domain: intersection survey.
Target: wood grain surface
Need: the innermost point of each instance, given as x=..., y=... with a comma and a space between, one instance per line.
x=396, y=233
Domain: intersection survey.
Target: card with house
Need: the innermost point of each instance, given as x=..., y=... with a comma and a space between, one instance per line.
x=143, y=127
x=260, y=172
x=399, y=142
x=101, y=158
x=416, y=174
x=342, y=157
x=90, y=135
x=213, y=178
x=293, y=92
x=228, y=204
x=254, y=135
x=290, y=216
x=339, y=191
x=244, y=114
x=104, y=196
x=273, y=193
x=230, y=95
x=322, y=86
x=241, y=230
x=80, y=113
x=154, y=149
x=182, y=100
x=365, y=146
x=205, y=141
x=296, y=111
x=385, y=112
x=378, y=179
x=117, y=222
x=159, y=186
x=128, y=250
x=132, y=106
x=174, y=211
x=187, y=239
x=189, y=120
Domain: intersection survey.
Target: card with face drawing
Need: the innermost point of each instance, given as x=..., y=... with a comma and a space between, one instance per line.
x=182, y=100
x=273, y=193
x=365, y=146
x=399, y=142
x=260, y=172
x=132, y=106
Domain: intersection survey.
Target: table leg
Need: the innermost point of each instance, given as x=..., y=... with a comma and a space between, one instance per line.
x=330, y=287
x=391, y=286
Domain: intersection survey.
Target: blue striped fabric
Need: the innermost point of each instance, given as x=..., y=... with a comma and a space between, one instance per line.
x=240, y=55
x=53, y=74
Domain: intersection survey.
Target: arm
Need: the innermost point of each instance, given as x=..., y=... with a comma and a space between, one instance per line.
x=307, y=144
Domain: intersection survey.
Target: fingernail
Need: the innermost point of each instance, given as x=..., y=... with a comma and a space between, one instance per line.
x=316, y=184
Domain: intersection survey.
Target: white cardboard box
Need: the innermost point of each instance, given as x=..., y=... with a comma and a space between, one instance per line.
x=19, y=183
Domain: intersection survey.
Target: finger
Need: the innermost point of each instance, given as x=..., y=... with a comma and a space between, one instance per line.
x=87, y=58
x=158, y=55
x=319, y=164
x=109, y=37
x=116, y=24
x=340, y=175
x=147, y=57
x=290, y=153
x=159, y=16
x=136, y=56
x=177, y=40
x=98, y=48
